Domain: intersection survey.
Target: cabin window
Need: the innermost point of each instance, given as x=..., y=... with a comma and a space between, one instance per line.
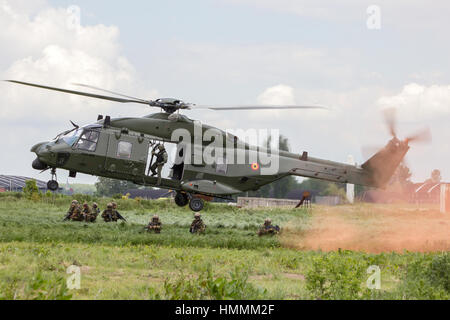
x=88, y=140
x=124, y=149
x=221, y=166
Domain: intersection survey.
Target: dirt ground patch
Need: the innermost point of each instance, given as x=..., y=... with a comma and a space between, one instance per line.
x=373, y=229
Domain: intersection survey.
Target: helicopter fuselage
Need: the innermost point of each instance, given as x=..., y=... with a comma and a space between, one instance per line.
x=119, y=149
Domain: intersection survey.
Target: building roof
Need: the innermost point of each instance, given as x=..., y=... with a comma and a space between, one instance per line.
x=18, y=182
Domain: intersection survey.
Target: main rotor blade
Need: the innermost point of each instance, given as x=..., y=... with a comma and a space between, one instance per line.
x=258, y=107
x=91, y=95
x=112, y=92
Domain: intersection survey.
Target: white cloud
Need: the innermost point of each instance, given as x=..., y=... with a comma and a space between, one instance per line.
x=417, y=102
x=277, y=95
x=54, y=53
x=39, y=45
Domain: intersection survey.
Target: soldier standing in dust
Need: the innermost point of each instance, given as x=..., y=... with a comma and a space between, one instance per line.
x=107, y=214
x=197, y=225
x=268, y=228
x=154, y=225
x=161, y=160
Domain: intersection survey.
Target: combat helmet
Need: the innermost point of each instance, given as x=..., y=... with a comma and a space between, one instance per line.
x=109, y=205
x=197, y=215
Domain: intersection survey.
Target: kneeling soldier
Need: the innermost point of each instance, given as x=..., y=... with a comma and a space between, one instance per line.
x=77, y=215
x=268, y=228
x=86, y=211
x=89, y=215
x=116, y=215
x=72, y=207
x=154, y=225
x=107, y=214
x=197, y=225
x=95, y=209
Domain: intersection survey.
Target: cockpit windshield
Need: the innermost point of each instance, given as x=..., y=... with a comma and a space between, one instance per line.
x=71, y=137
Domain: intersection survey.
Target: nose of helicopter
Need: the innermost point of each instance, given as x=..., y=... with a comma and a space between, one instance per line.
x=41, y=150
x=36, y=147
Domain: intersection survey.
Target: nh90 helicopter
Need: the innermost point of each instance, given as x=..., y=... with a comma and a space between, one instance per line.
x=119, y=149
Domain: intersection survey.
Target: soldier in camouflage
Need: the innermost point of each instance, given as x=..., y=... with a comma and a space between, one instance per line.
x=197, y=225
x=90, y=215
x=107, y=214
x=77, y=215
x=95, y=209
x=86, y=211
x=268, y=228
x=154, y=225
x=161, y=160
x=116, y=214
x=72, y=207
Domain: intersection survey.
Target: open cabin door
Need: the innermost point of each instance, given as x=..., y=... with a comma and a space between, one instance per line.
x=178, y=165
x=126, y=154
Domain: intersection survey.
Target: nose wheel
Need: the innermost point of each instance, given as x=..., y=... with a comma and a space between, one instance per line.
x=196, y=204
x=53, y=185
x=181, y=199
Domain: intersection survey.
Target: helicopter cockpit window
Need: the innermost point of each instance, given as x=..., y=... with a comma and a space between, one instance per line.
x=88, y=140
x=71, y=137
x=124, y=149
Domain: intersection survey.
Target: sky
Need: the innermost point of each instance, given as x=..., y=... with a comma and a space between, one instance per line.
x=350, y=56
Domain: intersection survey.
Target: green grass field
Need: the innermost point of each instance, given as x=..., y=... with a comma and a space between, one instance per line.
x=121, y=261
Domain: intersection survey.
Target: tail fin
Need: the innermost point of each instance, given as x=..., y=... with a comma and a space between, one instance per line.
x=383, y=164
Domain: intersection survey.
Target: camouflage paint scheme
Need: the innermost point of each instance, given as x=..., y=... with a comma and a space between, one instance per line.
x=202, y=179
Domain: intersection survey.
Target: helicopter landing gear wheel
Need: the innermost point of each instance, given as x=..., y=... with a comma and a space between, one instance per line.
x=53, y=184
x=181, y=199
x=196, y=204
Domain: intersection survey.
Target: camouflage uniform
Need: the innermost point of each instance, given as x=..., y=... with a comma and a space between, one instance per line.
x=116, y=214
x=197, y=225
x=107, y=214
x=72, y=207
x=114, y=210
x=95, y=212
x=268, y=228
x=77, y=215
x=161, y=160
x=89, y=215
x=154, y=225
x=95, y=209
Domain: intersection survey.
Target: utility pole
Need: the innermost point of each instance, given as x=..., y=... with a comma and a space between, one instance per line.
x=351, y=187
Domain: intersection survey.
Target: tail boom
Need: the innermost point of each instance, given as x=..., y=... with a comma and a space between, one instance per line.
x=376, y=172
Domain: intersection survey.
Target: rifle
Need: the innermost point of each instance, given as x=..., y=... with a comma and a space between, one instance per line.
x=67, y=217
x=120, y=216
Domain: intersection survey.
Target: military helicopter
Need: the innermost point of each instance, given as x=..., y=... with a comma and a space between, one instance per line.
x=119, y=148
